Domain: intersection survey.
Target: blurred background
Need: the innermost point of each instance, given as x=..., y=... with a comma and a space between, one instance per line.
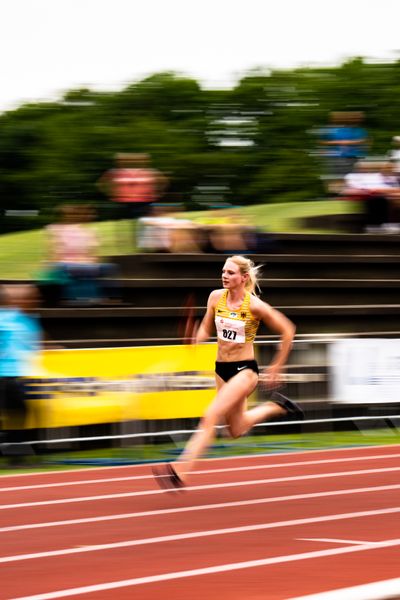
x=119, y=204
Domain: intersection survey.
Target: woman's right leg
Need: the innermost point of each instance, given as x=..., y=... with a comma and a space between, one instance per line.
x=201, y=439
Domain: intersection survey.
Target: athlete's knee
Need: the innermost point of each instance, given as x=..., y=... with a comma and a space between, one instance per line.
x=209, y=421
x=235, y=430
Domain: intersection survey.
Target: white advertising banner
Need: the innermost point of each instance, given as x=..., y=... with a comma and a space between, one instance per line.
x=365, y=371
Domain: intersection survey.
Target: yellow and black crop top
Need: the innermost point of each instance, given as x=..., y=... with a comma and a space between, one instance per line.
x=237, y=326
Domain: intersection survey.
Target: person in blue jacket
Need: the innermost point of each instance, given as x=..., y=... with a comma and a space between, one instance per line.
x=20, y=340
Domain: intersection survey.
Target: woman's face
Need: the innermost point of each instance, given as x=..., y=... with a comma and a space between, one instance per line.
x=231, y=275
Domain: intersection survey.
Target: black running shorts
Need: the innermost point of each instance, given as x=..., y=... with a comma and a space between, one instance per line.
x=227, y=370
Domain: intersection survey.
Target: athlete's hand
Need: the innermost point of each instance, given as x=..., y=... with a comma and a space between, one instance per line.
x=271, y=377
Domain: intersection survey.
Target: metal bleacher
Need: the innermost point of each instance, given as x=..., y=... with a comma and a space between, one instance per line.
x=327, y=284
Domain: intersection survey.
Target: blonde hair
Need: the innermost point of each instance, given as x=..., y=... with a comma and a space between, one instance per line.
x=246, y=266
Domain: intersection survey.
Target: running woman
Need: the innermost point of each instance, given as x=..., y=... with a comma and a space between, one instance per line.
x=236, y=312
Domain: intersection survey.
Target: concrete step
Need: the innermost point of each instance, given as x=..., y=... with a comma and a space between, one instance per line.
x=150, y=292
x=159, y=323
x=304, y=265
x=366, y=243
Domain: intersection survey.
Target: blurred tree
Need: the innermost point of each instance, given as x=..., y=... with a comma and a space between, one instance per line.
x=252, y=144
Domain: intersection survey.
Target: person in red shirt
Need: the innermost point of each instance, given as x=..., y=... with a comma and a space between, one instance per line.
x=133, y=184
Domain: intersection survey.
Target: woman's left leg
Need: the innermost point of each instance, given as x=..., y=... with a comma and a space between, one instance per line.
x=229, y=395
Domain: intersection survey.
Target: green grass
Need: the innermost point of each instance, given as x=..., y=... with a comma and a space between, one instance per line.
x=287, y=218
x=22, y=255
x=272, y=444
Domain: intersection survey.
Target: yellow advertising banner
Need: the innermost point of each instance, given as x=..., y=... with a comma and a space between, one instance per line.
x=106, y=385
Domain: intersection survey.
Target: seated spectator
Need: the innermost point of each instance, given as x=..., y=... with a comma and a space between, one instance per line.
x=374, y=184
x=394, y=157
x=161, y=231
x=229, y=233
x=73, y=259
x=391, y=179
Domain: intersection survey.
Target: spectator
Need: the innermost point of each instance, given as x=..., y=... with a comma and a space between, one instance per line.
x=344, y=143
x=394, y=157
x=227, y=231
x=20, y=341
x=74, y=261
x=161, y=231
x=392, y=181
x=374, y=184
x=133, y=184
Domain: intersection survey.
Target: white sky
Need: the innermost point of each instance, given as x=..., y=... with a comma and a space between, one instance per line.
x=50, y=46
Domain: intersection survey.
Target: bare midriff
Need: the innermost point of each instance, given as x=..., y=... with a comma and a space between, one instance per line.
x=228, y=351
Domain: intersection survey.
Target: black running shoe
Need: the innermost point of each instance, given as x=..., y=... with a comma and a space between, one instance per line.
x=167, y=478
x=292, y=408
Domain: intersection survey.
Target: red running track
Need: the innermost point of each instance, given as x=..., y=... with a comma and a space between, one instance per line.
x=266, y=527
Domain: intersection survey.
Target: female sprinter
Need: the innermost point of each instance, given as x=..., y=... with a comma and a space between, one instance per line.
x=236, y=312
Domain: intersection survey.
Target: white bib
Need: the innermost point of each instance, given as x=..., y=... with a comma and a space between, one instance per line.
x=230, y=330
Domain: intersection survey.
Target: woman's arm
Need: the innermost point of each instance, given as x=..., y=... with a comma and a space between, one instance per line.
x=280, y=324
x=206, y=326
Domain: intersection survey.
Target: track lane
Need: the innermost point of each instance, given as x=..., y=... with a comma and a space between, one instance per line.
x=92, y=506
x=143, y=485
x=180, y=522
x=272, y=582
x=118, y=562
x=94, y=568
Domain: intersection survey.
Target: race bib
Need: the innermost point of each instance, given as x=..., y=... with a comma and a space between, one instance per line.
x=230, y=330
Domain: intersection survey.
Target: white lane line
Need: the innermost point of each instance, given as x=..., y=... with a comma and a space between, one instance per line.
x=202, y=472
x=199, y=487
x=214, y=459
x=379, y=590
x=167, y=511
x=112, y=585
x=336, y=541
x=199, y=534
